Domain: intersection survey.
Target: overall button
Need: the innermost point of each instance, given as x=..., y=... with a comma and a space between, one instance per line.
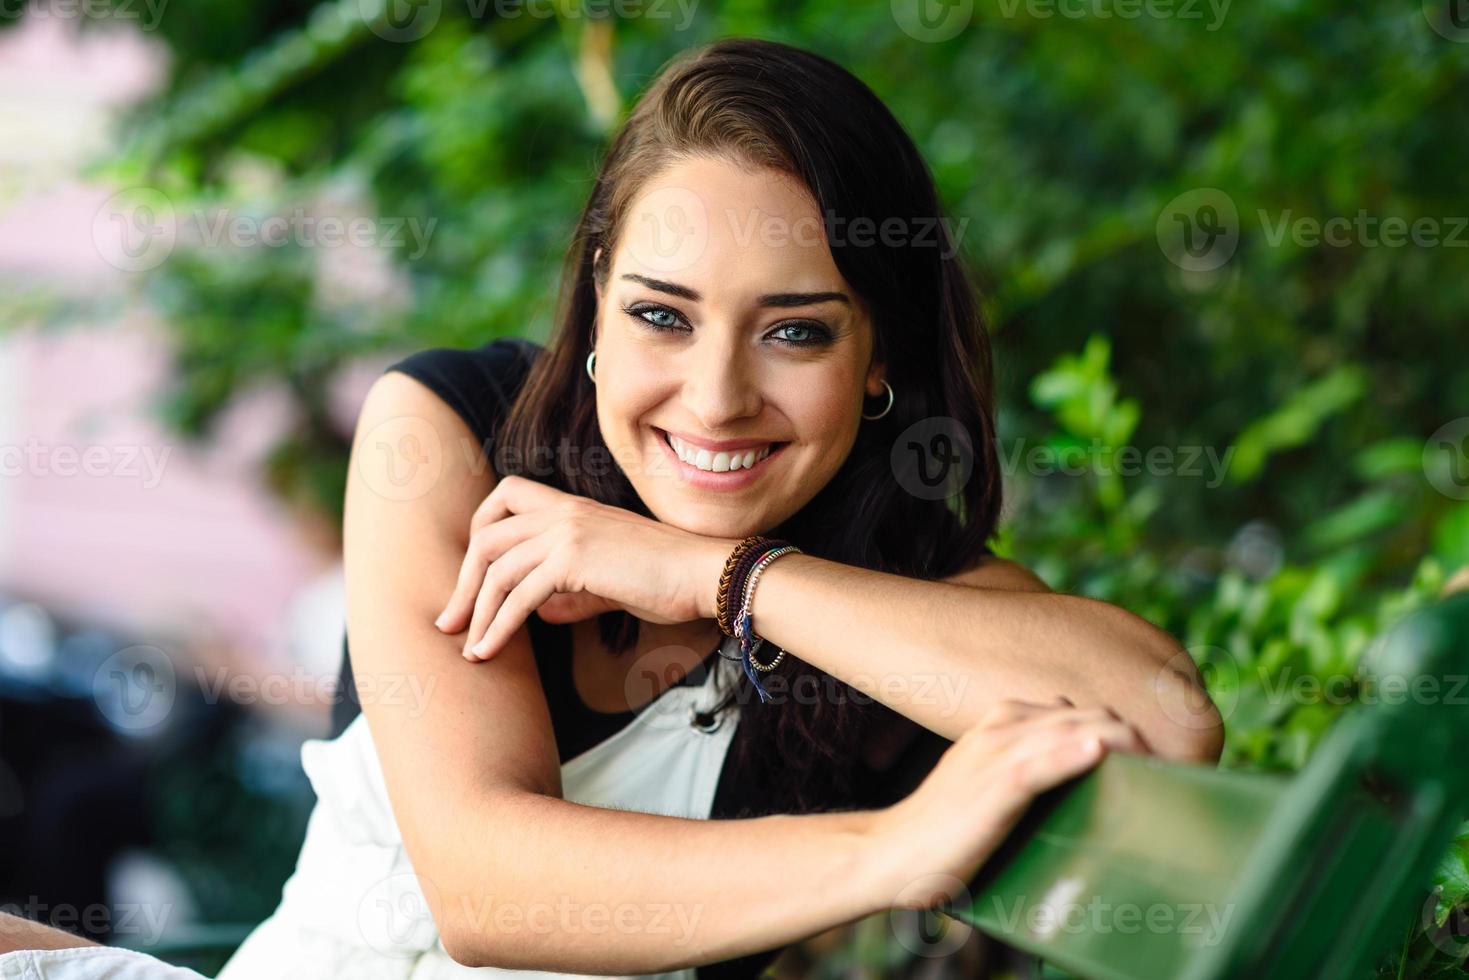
x=705, y=721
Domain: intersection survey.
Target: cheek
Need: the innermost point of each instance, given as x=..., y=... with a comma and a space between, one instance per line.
x=827, y=422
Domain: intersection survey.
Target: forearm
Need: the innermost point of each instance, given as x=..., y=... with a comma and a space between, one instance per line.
x=17, y=933
x=942, y=653
x=553, y=885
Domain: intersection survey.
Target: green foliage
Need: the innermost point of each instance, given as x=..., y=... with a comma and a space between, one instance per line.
x=1259, y=488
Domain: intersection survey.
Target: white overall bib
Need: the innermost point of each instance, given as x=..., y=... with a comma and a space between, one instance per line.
x=354, y=910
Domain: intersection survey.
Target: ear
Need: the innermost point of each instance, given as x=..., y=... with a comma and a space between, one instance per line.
x=875, y=374
x=597, y=257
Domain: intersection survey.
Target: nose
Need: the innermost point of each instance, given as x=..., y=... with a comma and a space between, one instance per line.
x=720, y=386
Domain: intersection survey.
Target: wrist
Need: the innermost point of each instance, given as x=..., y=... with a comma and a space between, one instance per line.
x=711, y=566
x=884, y=867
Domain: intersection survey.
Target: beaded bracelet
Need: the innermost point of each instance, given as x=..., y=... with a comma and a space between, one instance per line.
x=749, y=641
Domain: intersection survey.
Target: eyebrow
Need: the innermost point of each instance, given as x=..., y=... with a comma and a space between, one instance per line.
x=769, y=299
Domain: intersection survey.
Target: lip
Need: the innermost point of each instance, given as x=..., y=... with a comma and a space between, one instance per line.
x=709, y=480
x=719, y=445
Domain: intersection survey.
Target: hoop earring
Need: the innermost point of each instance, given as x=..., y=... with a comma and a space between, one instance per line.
x=887, y=408
x=591, y=366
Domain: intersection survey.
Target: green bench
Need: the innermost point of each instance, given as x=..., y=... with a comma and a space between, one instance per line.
x=1149, y=869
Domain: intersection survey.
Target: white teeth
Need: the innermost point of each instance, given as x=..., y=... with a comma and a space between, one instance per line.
x=716, y=462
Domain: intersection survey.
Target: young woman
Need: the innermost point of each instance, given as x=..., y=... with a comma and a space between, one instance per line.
x=565, y=763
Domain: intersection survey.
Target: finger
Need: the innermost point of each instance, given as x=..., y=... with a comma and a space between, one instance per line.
x=485, y=546
x=1053, y=760
x=513, y=495
x=1007, y=711
x=533, y=590
x=501, y=578
x=1116, y=735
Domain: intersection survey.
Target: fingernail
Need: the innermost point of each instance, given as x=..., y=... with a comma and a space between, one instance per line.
x=443, y=618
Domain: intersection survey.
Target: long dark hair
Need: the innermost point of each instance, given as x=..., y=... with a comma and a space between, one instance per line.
x=768, y=104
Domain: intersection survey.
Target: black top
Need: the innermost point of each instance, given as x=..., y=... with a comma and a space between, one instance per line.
x=480, y=385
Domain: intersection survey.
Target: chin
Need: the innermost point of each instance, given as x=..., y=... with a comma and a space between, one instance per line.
x=708, y=521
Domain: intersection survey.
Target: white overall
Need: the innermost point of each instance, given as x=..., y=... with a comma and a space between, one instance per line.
x=354, y=910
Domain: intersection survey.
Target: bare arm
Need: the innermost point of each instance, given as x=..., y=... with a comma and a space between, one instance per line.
x=17, y=934
x=474, y=779
x=943, y=652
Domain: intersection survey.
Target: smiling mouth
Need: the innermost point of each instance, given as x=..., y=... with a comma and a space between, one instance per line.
x=708, y=461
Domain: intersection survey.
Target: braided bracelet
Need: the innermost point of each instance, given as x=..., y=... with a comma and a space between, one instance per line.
x=749, y=641
x=722, y=614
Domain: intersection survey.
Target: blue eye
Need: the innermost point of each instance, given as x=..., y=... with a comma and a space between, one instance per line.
x=808, y=334
x=658, y=317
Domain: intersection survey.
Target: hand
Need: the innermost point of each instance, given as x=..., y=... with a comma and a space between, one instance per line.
x=934, y=841
x=534, y=548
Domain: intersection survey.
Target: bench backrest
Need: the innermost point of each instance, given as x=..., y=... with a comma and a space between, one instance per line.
x=1149, y=869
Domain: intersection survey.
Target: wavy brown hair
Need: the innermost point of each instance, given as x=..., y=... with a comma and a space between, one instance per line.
x=767, y=104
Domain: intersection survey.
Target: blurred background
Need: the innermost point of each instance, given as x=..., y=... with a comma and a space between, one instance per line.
x=1226, y=267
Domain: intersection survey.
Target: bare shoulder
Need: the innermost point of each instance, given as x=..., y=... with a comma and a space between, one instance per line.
x=416, y=476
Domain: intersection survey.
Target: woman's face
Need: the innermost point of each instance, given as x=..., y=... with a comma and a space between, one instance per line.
x=724, y=329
